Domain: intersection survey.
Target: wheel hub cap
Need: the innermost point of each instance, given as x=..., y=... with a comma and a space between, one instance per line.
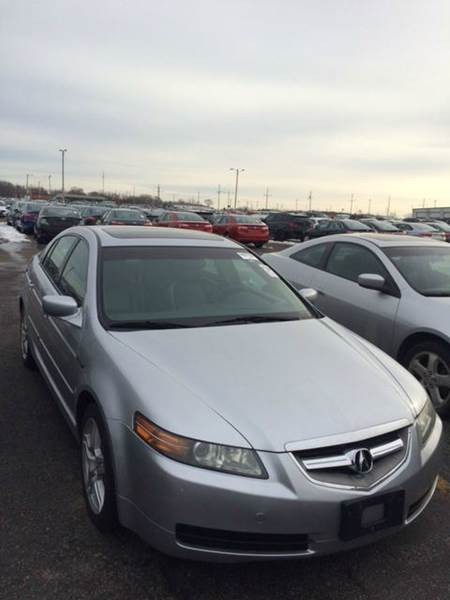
x=93, y=465
x=434, y=374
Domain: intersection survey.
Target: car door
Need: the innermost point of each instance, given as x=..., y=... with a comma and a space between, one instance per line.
x=370, y=313
x=220, y=227
x=42, y=276
x=59, y=337
x=302, y=267
x=66, y=333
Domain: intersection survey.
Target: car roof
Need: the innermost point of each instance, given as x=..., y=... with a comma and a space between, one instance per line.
x=116, y=235
x=381, y=240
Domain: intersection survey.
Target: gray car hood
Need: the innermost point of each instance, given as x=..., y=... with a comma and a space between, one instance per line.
x=279, y=383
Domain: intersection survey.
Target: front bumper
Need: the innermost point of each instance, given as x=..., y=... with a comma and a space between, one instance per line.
x=157, y=497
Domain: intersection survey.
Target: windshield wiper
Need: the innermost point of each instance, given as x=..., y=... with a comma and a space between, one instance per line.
x=436, y=294
x=147, y=325
x=251, y=319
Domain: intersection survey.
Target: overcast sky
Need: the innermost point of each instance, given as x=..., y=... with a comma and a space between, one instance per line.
x=333, y=96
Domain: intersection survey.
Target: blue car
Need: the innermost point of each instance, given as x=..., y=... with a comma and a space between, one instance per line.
x=28, y=215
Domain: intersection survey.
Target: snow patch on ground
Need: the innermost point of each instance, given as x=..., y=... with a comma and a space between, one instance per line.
x=9, y=234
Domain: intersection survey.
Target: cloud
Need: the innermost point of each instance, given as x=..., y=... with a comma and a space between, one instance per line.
x=334, y=97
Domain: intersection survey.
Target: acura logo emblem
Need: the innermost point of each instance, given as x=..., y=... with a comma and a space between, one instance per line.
x=362, y=461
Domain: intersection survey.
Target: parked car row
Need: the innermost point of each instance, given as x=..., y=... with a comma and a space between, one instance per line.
x=301, y=226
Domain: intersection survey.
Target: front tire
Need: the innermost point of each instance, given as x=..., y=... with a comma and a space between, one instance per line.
x=429, y=362
x=96, y=471
x=25, y=348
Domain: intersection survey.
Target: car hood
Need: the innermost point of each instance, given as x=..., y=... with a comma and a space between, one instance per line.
x=281, y=383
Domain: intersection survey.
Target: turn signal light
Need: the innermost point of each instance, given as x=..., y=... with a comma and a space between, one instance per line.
x=167, y=443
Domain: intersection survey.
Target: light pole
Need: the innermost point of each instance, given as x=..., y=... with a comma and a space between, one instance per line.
x=49, y=185
x=63, y=151
x=28, y=176
x=266, y=196
x=219, y=191
x=236, y=184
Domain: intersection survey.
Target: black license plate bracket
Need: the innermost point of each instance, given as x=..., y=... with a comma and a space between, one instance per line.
x=352, y=522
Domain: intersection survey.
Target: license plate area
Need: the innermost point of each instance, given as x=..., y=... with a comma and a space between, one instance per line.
x=361, y=517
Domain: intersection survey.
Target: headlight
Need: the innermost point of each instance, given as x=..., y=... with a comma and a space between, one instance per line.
x=425, y=422
x=228, y=459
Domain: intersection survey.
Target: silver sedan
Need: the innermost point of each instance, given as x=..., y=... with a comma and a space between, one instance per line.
x=219, y=415
x=393, y=291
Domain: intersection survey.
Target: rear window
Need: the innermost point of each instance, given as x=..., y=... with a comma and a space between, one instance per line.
x=356, y=225
x=60, y=211
x=32, y=207
x=186, y=216
x=384, y=226
x=127, y=215
x=249, y=219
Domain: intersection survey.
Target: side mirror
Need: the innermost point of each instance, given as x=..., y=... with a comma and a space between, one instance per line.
x=59, y=306
x=309, y=294
x=371, y=281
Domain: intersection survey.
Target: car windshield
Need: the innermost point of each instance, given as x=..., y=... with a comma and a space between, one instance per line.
x=158, y=287
x=355, y=225
x=60, y=211
x=426, y=269
x=127, y=215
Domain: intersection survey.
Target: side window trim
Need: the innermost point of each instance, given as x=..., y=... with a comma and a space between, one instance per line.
x=81, y=240
x=324, y=259
x=55, y=284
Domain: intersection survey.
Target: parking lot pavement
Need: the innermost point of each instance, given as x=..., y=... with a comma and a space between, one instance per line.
x=49, y=549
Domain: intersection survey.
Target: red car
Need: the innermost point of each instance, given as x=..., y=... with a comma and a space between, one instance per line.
x=242, y=228
x=184, y=220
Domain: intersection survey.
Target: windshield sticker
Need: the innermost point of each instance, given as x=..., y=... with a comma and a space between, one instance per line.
x=246, y=256
x=268, y=270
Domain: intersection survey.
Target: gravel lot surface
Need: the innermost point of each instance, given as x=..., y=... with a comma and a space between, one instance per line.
x=50, y=550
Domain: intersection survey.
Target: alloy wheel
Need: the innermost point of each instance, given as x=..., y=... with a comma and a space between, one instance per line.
x=93, y=465
x=434, y=374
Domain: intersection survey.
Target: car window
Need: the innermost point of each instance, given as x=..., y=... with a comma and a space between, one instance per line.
x=74, y=276
x=426, y=269
x=322, y=225
x=55, y=259
x=333, y=226
x=351, y=260
x=312, y=256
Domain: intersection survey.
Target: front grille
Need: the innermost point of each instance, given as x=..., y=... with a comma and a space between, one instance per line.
x=238, y=541
x=334, y=465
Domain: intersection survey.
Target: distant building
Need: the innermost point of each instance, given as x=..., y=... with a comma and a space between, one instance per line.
x=436, y=212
